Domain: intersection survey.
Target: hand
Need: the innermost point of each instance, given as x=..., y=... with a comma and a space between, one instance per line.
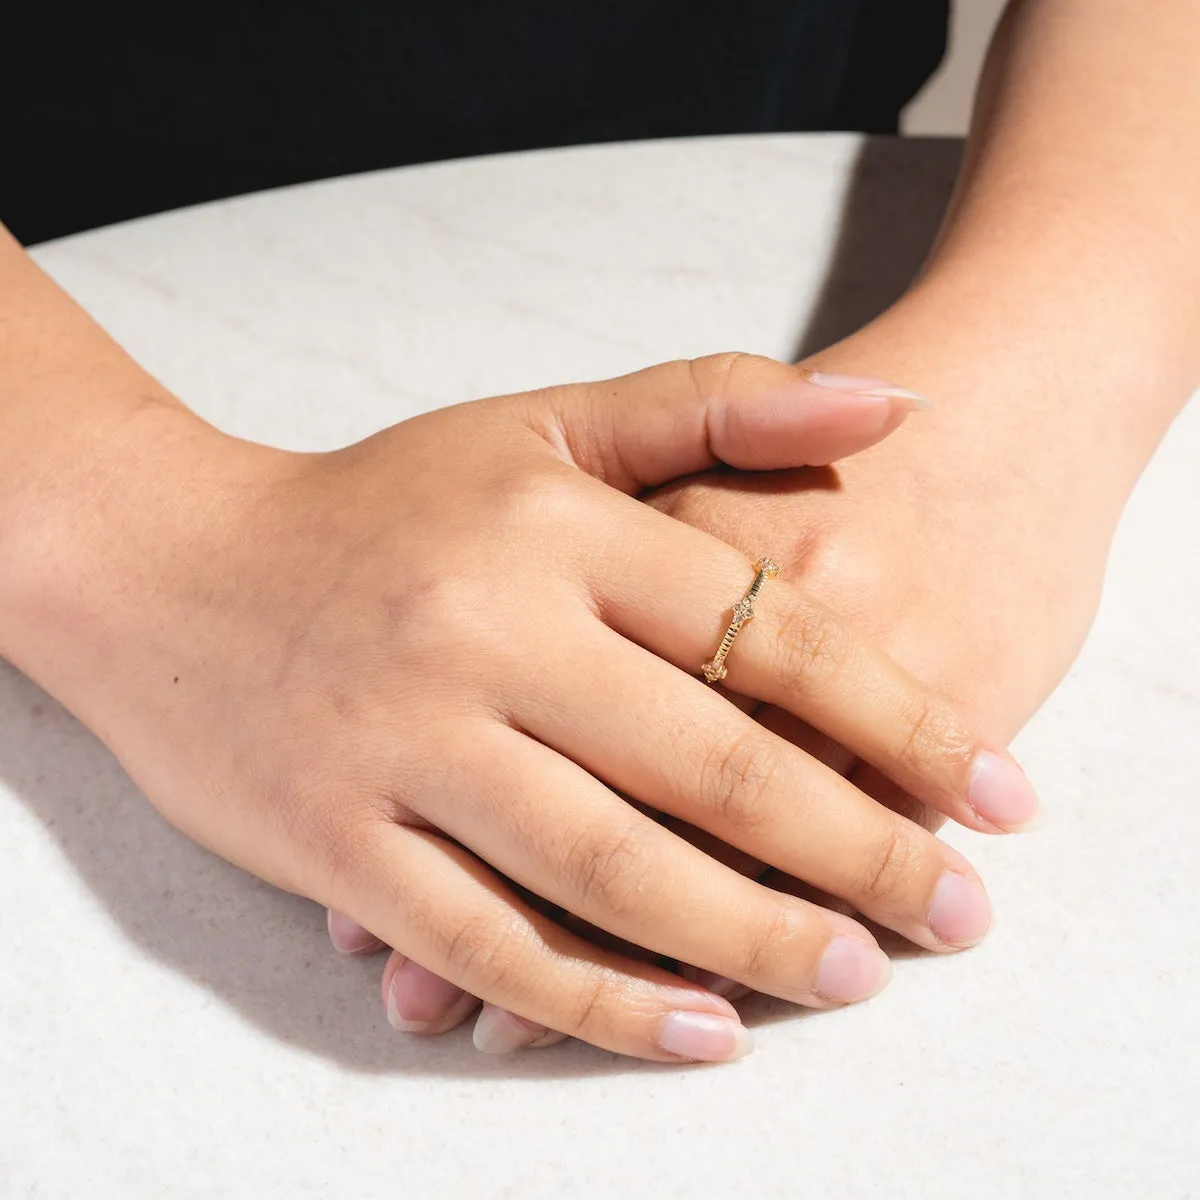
x=356, y=672
x=972, y=546
x=968, y=543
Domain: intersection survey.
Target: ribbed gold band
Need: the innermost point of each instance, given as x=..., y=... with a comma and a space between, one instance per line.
x=743, y=610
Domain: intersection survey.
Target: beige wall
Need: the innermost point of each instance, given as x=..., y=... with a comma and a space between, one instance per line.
x=945, y=104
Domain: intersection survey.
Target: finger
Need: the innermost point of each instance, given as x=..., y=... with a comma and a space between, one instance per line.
x=876, y=785
x=553, y=828
x=720, y=852
x=804, y=737
x=497, y=1031
x=446, y=911
x=673, y=589
x=681, y=417
x=681, y=748
x=418, y=1000
x=424, y=1003
x=864, y=777
x=349, y=937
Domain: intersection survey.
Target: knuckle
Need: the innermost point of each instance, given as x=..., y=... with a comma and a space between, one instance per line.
x=811, y=646
x=891, y=868
x=527, y=501
x=347, y=843
x=607, y=870
x=738, y=779
x=589, y=1007
x=712, y=375
x=480, y=951
x=770, y=946
x=931, y=733
x=316, y=839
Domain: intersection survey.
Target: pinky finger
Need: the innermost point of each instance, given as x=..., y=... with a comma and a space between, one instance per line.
x=440, y=906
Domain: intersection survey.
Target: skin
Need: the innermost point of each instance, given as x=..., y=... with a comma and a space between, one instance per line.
x=974, y=553
x=1054, y=326
x=344, y=672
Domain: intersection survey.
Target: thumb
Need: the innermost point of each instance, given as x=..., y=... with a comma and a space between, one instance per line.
x=750, y=412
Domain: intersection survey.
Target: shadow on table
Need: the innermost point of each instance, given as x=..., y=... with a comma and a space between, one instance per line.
x=265, y=953
x=894, y=204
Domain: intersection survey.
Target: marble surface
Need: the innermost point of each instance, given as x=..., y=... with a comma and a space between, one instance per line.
x=172, y=1028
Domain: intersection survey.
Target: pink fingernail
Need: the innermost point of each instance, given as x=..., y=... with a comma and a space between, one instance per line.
x=418, y=998
x=705, y=1037
x=862, y=385
x=1001, y=794
x=960, y=914
x=852, y=970
x=498, y=1031
x=347, y=936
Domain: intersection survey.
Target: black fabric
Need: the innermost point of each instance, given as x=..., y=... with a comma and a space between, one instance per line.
x=122, y=110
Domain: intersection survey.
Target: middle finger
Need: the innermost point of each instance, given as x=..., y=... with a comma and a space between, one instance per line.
x=680, y=747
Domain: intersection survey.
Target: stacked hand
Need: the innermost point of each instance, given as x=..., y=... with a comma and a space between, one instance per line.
x=947, y=556
x=396, y=677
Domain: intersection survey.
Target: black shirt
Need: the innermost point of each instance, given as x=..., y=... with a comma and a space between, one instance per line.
x=122, y=110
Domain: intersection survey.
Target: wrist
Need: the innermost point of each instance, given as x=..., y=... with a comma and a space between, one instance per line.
x=94, y=550
x=1073, y=414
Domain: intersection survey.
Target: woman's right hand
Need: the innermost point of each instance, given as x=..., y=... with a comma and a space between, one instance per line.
x=387, y=676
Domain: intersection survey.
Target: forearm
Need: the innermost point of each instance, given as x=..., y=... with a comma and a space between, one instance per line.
x=1061, y=303
x=93, y=470
x=66, y=388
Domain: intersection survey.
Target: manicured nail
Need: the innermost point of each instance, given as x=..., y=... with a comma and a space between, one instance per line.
x=418, y=998
x=705, y=1037
x=852, y=970
x=961, y=913
x=862, y=385
x=347, y=936
x=719, y=985
x=498, y=1031
x=1000, y=793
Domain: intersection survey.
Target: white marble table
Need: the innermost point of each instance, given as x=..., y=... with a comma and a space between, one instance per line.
x=172, y=1028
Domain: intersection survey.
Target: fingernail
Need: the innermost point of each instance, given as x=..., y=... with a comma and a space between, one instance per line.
x=862, y=385
x=417, y=997
x=347, y=936
x=852, y=970
x=1000, y=793
x=498, y=1031
x=719, y=985
x=961, y=913
x=705, y=1037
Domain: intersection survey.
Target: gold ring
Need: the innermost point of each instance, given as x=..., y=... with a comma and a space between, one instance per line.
x=743, y=610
